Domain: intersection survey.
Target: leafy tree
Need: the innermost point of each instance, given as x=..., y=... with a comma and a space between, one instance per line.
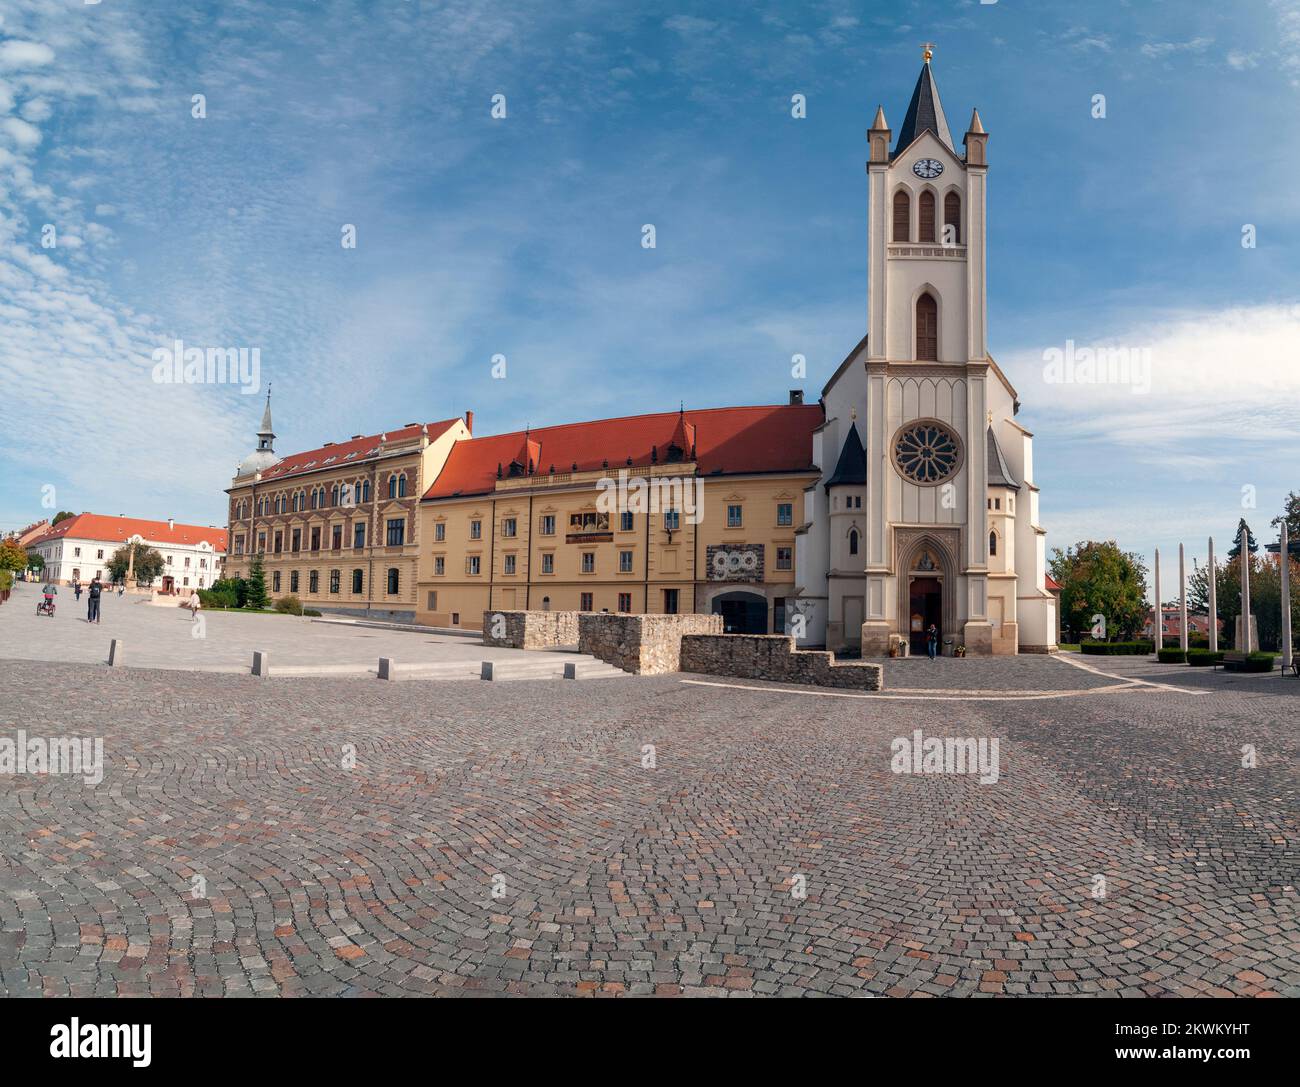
x=1291, y=515
x=35, y=561
x=149, y=563
x=1097, y=578
x=62, y=515
x=1250, y=540
x=12, y=557
x=256, y=595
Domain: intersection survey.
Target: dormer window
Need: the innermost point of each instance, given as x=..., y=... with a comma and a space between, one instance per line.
x=675, y=454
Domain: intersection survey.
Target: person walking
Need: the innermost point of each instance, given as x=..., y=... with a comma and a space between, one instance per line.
x=932, y=640
x=76, y=589
x=92, y=598
x=193, y=603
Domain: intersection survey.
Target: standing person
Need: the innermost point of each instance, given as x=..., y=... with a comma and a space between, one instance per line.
x=92, y=597
x=76, y=589
x=193, y=603
x=932, y=640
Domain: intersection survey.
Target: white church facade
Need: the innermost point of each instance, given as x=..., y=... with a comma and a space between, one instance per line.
x=925, y=511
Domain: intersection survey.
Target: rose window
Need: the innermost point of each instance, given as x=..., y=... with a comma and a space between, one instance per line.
x=926, y=452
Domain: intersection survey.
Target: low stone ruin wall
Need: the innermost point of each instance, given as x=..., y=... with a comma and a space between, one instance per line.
x=774, y=657
x=645, y=645
x=530, y=629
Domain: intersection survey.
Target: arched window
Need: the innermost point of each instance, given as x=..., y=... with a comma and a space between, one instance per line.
x=902, y=216
x=927, y=327
x=313, y=499
x=927, y=217
x=334, y=495
x=546, y=603
x=365, y=491
x=401, y=486
x=392, y=581
x=993, y=543
x=392, y=486
x=853, y=541
x=952, y=216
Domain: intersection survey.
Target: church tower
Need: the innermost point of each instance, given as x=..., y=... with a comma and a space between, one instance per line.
x=926, y=514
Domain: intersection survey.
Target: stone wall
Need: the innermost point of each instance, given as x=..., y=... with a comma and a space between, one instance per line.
x=530, y=629
x=645, y=645
x=774, y=657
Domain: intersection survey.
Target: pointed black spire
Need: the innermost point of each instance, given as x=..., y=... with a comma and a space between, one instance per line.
x=925, y=112
x=851, y=469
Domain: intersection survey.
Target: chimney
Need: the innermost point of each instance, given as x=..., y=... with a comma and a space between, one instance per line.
x=469, y=422
x=796, y=396
x=405, y=425
x=356, y=437
x=171, y=525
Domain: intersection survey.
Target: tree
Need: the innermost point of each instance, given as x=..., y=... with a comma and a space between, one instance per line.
x=1291, y=515
x=1097, y=578
x=256, y=597
x=1250, y=540
x=148, y=565
x=35, y=561
x=62, y=515
x=12, y=557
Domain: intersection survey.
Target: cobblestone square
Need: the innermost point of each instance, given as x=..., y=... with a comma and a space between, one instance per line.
x=671, y=836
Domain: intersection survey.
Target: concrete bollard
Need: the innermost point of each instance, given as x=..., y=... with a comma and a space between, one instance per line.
x=115, y=648
x=570, y=671
x=261, y=663
x=386, y=668
x=486, y=672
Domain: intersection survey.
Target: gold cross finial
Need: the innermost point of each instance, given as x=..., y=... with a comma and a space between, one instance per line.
x=927, y=50
x=990, y=418
x=854, y=413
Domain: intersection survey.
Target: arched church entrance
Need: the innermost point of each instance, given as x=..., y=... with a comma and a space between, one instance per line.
x=742, y=612
x=925, y=606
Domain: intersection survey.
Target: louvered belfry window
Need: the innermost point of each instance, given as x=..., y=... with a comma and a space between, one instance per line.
x=927, y=327
x=902, y=217
x=927, y=217
x=952, y=215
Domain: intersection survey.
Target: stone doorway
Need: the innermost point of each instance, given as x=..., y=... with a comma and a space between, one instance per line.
x=925, y=606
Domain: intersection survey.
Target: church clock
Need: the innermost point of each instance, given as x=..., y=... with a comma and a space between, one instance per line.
x=927, y=168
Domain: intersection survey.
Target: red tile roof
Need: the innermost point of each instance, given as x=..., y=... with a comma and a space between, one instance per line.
x=1051, y=582
x=729, y=441
x=355, y=449
x=99, y=526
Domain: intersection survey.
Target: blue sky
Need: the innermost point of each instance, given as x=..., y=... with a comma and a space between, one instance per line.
x=521, y=236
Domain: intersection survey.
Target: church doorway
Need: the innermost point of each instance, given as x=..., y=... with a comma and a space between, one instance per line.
x=925, y=606
x=742, y=613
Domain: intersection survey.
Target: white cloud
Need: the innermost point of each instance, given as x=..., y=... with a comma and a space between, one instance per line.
x=1157, y=50
x=20, y=132
x=21, y=54
x=1240, y=61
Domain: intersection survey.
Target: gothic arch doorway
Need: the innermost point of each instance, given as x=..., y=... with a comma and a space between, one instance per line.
x=742, y=612
x=925, y=607
x=927, y=584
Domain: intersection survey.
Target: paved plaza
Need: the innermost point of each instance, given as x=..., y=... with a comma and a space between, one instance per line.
x=676, y=835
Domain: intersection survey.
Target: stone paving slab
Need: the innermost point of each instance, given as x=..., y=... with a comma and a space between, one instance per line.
x=511, y=839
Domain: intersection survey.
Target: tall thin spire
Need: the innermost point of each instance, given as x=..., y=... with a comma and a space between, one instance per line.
x=265, y=434
x=925, y=112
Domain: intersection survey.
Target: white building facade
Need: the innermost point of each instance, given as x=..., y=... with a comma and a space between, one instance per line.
x=926, y=511
x=79, y=548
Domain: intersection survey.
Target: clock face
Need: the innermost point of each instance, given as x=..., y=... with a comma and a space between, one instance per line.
x=927, y=168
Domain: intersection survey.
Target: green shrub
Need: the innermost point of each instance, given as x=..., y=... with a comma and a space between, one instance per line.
x=1258, y=662
x=1111, y=649
x=1171, y=656
x=1203, y=658
x=310, y=611
x=6, y=580
x=217, y=598
x=289, y=605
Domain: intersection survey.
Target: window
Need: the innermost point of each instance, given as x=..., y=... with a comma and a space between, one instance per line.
x=472, y=564
x=334, y=581
x=927, y=327
x=926, y=452
x=315, y=539
x=672, y=520
x=548, y=563
x=313, y=499
x=548, y=524
x=275, y=581
x=853, y=541
x=279, y=542
x=296, y=545
x=784, y=558
x=589, y=562
x=625, y=521
x=902, y=216
x=997, y=503
x=357, y=581
x=100, y=553
x=396, y=531
x=401, y=486
x=509, y=527
x=546, y=603
x=334, y=495
x=365, y=491
x=394, y=581
x=952, y=216
x=733, y=517
x=293, y=581
x=433, y=602
x=508, y=566
x=586, y=602
x=624, y=563
x=439, y=565
x=336, y=538
x=476, y=530
x=76, y=551
x=784, y=513
x=624, y=601
x=313, y=581
x=239, y=544
x=440, y=531
x=993, y=543
x=261, y=545
x=670, y=601
x=927, y=216
x=590, y=521
x=455, y=618
x=392, y=486
x=359, y=536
